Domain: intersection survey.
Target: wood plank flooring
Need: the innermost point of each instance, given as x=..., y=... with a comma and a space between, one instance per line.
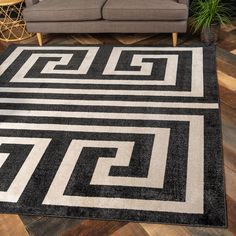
x=13, y=225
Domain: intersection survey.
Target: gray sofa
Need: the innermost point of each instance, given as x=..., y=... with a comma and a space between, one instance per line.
x=106, y=16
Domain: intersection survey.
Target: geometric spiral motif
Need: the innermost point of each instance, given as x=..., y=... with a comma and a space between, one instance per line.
x=130, y=133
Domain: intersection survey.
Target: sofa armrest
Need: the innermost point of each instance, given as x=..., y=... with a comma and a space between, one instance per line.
x=186, y=2
x=30, y=2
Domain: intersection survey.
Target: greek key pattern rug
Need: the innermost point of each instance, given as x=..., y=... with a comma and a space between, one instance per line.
x=111, y=132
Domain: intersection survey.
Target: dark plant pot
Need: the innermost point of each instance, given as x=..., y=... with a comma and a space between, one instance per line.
x=210, y=34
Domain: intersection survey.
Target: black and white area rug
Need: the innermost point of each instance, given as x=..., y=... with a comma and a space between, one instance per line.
x=111, y=132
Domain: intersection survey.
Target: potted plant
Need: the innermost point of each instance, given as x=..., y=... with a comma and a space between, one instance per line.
x=207, y=17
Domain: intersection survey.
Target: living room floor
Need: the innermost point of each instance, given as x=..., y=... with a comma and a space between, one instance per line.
x=226, y=67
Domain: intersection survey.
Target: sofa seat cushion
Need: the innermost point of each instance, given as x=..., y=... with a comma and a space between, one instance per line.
x=141, y=10
x=65, y=10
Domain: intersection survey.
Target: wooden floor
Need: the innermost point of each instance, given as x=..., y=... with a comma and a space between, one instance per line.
x=14, y=225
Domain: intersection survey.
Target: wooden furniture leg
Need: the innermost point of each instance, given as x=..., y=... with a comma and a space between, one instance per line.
x=174, y=39
x=40, y=39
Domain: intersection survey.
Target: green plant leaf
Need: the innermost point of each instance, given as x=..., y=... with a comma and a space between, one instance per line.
x=208, y=12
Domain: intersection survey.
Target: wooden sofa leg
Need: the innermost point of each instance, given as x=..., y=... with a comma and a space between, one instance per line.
x=174, y=39
x=40, y=39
